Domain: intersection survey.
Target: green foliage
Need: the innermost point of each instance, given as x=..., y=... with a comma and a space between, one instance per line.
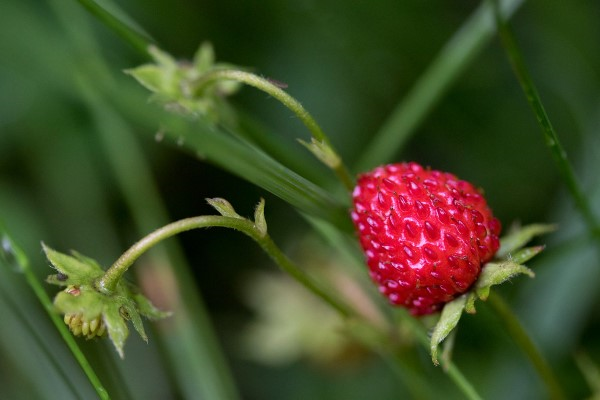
x=80, y=167
x=84, y=300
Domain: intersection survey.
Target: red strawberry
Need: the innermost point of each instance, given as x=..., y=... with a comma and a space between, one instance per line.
x=425, y=234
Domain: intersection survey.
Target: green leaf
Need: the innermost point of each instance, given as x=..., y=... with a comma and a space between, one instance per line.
x=323, y=152
x=447, y=322
x=517, y=238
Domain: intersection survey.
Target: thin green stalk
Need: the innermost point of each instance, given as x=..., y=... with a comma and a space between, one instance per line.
x=112, y=276
x=558, y=153
x=116, y=20
x=333, y=160
x=9, y=246
x=451, y=369
x=520, y=336
x=437, y=78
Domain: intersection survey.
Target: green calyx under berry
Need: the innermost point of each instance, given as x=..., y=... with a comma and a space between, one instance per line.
x=512, y=255
x=91, y=313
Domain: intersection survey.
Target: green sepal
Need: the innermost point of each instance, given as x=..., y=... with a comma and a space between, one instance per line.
x=116, y=325
x=72, y=271
x=81, y=298
x=132, y=314
x=493, y=273
x=145, y=306
x=260, y=223
x=323, y=152
x=497, y=273
x=448, y=320
x=223, y=207
x=526, y=254
x=88, y=303
x=518, y=237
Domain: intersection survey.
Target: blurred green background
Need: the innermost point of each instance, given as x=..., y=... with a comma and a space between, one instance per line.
x=349, y=64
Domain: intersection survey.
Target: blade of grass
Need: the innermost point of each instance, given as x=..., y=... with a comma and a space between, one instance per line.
x=116, y=19
x=451, y=61
x=521, y=337
x=213, y=144
x=552, y=141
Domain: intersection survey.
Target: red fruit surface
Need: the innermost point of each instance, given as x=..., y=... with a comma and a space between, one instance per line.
x=425, y=234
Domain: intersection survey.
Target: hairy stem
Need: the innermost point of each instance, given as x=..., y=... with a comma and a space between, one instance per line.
x=292, y=104
x=108, y=282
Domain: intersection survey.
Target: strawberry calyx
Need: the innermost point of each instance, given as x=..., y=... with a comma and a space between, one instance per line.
x=496, y=272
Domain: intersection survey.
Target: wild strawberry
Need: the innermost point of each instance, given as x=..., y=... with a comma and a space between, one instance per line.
x=425, y=234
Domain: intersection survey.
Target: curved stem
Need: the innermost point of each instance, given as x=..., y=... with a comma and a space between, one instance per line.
x=520, y=336
x=335, y=162
x=109, y=281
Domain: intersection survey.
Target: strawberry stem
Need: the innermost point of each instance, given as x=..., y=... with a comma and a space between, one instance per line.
x=291, y=103
x=110, y=279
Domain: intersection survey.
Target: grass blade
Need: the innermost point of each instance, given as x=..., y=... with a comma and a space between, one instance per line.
x=558, y=153
x=452, y=60
x=11, y=250
x=120, y=23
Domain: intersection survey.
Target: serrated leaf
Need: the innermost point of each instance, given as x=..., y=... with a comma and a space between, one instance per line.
x=497, y=273
x=260, y=223
x=521, y=236
x=223, y=207
x=447, y=322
